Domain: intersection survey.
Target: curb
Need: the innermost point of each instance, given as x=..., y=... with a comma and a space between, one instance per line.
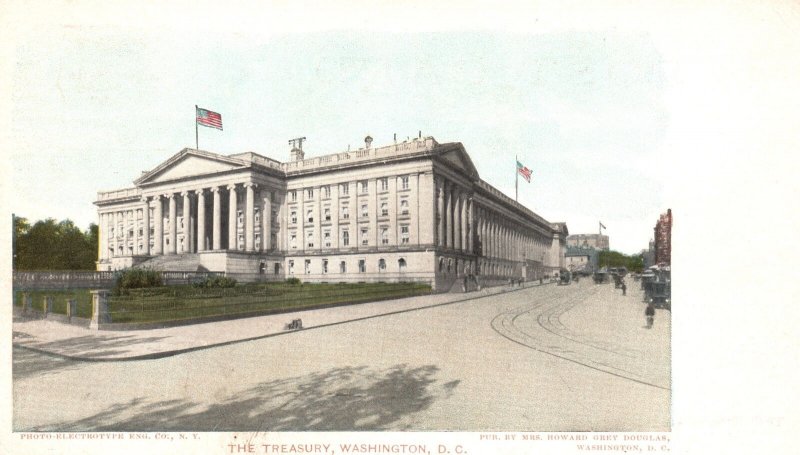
x=163, y=354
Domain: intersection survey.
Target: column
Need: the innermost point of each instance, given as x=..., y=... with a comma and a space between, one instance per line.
x=187, y=223
x=172, y=248
x=249, y=225
x=125, y=238
x=464, y=223
x=135, y=213
x=201, y=220
x=335, y=219
x=440, y=238
x=146, y=227
x=471, y=226
x=372, y=197
x=394, y=228
x=216, y=219
x=456, y=219
x=158, y=226
x=448, y=194
x=266, y=218
x=232, y=207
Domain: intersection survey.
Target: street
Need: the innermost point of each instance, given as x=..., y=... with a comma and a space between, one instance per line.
x=545, y=358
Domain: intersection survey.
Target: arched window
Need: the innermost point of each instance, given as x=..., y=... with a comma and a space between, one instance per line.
x=441, y=264
x=381, y=265
x=401, y=264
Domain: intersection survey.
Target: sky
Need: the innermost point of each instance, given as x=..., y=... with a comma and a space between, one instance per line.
x=96, y=99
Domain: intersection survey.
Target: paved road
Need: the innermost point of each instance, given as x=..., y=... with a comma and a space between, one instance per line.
x=551, y=358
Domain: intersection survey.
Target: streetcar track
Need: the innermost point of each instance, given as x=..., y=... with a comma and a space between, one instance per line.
x=505, y=325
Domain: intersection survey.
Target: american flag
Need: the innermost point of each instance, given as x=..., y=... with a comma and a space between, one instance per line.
x=208, y=118
x=524, y=172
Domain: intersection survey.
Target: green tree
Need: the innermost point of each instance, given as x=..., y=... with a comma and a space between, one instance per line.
x=51, y=245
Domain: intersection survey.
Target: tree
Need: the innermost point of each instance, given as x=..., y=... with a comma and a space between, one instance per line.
x=633, y=263
x=51, y=245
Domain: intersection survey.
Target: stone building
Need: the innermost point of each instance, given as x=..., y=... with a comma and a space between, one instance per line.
x=596, y=241
x=410, y=211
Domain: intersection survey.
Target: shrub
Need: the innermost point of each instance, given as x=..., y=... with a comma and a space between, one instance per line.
x=215, y=282
x=136, y=279
x=293, y=281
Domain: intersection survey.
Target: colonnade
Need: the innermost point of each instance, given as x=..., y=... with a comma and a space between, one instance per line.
x=455, y=217
x=132, y=223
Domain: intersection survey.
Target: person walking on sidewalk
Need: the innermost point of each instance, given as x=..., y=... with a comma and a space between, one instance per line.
x=624, y=288
x=650, y=314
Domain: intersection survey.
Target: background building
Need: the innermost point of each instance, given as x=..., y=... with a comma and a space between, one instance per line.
x=663, y=239
x=410, y=211
x=596, y=241
x=581, y=259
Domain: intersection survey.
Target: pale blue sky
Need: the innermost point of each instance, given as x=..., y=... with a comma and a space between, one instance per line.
x=585, y=110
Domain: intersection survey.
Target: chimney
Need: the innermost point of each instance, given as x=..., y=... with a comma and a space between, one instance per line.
x=368, y=141
x=297, y=153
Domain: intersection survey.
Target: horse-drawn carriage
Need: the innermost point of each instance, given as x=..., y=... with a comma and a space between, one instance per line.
x=658, y=289
x=600, y=277
x=564, y=277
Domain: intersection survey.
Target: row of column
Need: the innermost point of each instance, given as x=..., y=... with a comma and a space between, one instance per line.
x=196, y=237
x=455, y=214
x=504, y=239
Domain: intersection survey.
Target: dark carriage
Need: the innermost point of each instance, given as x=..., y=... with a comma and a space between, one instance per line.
x=565, y=277
x=600, y=277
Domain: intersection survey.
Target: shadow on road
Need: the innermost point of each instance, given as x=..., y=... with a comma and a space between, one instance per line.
x=28, y=363
x=92, y=346
x=341, y=399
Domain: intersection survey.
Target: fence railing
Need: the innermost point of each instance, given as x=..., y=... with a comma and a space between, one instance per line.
x=89, y=279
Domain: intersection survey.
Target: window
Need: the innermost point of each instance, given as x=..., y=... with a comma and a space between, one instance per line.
x=384, y=184
x=293, y=196
x=277, y=269
x=362, y=266
x=441, y=264
x=381, y=265
x=291, y=267
x=404, y=182
x=345, y=238
x=239, y=218
x=256, y=215
x=130, y=232
x=401, y=264
x=310, y=215
x=384, y=235
x=257, y=243
x=384, y=208
x=364, y=188
x=141, y=232
x=342, y=267
x=327, y=213
x=345, y=212
x=293, y=240
x=326, y=236
x=365, y=236
x=326, y=191
x=404, y=234
x=310, y=193
x=364, y=210
x=308, y=266
x=344, y=189
x=310, y=239
x=404, y=206
x=240, y=242
x=324, y=266
x=293, y=217
x=273, y=240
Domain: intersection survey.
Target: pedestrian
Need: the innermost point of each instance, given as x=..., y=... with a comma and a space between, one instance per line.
x=624, y=288
x=650, y=313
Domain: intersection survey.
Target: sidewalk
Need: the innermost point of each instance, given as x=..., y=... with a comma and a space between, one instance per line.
x=79, y=343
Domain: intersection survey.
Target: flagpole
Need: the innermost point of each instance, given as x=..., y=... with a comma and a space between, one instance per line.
x=196, y=134
x=516, y=180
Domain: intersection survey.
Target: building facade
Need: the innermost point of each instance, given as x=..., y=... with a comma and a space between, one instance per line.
x=410, y=211
x=663, y=239
x=596, y=241
x=581, y=259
